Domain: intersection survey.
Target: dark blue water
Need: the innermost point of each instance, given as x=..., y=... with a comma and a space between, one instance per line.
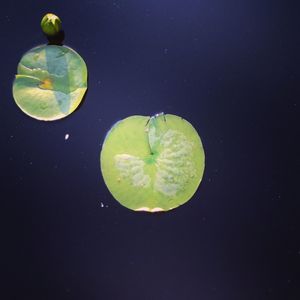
x=231, y=68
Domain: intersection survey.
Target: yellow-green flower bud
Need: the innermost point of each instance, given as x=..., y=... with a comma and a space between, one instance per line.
x=51, y=24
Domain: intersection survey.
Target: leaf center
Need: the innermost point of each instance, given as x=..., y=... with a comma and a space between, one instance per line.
x=47, y=84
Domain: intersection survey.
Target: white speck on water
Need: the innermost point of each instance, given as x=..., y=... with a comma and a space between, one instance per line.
x=103, y=205
x=67, y=136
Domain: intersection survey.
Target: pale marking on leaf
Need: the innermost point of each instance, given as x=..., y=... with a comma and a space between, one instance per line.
x=132, y=167
x=174, y=164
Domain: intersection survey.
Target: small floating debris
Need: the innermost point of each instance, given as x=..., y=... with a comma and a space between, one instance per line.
x=103, y=205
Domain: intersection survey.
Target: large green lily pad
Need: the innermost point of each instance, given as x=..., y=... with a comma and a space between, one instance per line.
x=152, y=164
x=50, y=83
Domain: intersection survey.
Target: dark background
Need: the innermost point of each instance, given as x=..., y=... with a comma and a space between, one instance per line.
x=231, y=68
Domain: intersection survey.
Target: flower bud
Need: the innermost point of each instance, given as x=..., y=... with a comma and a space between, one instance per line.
x=51, y=24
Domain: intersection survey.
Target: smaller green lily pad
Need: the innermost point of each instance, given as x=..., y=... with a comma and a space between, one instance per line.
x=152, y=163
x=50, y=83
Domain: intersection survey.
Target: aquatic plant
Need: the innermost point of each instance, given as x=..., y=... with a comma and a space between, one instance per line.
x=152, y=163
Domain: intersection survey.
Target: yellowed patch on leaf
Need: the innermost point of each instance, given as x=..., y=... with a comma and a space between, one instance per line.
x=47, y=84
x=155, y=209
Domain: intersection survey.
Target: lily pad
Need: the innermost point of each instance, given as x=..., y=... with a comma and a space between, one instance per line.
x=152, y=163
x=50, y=83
